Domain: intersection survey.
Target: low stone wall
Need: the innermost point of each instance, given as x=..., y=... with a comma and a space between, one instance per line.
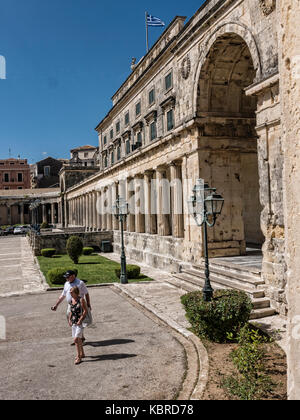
x=59, y=240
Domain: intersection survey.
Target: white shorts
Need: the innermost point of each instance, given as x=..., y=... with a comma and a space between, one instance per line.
x=77, y=331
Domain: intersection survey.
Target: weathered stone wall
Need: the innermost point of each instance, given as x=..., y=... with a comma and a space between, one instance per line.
x=289, y=53
x=58, y=241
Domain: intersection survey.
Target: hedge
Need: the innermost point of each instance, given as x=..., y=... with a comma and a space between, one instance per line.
x=48, y=252
x=56, y=275
x=87, y=250
x=133, y=271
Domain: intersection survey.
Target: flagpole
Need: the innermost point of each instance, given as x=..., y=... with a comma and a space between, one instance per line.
x=147, y=40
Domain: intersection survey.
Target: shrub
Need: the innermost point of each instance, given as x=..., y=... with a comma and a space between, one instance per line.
x=44, y=225
x=228, y=311
x=87, y=250
x=133, y=271
x=74, y=248
x=250, y=360
x=48, y=252
x=56, y=275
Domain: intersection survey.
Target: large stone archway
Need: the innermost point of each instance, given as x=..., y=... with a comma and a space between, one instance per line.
x=228, y=148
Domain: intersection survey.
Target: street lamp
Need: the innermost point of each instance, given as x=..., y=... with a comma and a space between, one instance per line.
x=205, y=205
x=120, y=211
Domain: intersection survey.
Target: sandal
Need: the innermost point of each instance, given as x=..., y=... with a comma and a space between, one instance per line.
x=77, y=361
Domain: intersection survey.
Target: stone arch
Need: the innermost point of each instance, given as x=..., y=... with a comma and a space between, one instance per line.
x=227, y=28
x=229, y=63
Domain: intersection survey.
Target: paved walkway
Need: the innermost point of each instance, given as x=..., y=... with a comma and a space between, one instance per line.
x=19, y=273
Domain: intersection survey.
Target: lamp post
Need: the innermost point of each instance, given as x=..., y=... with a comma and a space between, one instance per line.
x=205, y=205
x=120, y=210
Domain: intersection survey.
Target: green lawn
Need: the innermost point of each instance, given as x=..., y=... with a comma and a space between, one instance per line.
x=92, y=269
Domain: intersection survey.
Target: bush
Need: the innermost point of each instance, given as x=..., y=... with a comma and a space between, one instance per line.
x=56, y=275
x=44, y=225
x=87, y=250
x=133, y=271
x=48, y=252
x=228, y=311
x=250, y=359
x=74, y=248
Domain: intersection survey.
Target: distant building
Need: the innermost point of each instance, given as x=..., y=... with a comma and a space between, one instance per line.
x=14, y=174
x=85, y=156
x=45, y=173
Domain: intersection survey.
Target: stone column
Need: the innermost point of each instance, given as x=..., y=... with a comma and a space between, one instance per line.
x=109, y=208
x=163, y=203
x=177, y=200
x=150, y=203
x=22, y=214
x=289, y=60
x=98, y=210
x=104, y=208
x=139, y=204
x=122, y=190
x=115, y=222
x=53, y=213
x=44, y=210
x=131, y=203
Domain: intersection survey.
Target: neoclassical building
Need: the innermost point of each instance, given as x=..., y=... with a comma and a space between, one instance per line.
x=204, y=102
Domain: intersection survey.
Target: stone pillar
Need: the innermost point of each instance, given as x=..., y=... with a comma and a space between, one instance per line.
x=122, y=190
x=177, y=200
x=53, y=213
x=139, y=204
x=115, y=222
x=163, y=203
x=150, y=203
x=289, y=60
x=22, y=214
x=98, y=210
x=131, y=203
x=109, y=208
x=104, y=208
x=44, y=210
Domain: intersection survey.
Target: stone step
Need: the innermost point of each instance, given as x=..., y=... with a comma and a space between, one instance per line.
x=262, y=313
x=243, y=270
x=218, y=282
x=227, y=275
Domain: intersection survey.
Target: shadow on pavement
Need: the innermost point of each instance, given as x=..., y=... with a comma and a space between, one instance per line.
x=103, y=357
x=108, y=342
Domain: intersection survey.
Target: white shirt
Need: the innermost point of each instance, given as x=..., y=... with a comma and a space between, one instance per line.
x=76, y=283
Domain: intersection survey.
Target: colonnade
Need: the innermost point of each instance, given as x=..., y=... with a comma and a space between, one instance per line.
x=155, y=199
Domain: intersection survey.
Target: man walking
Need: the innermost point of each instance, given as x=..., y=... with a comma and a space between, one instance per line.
x=72, y=281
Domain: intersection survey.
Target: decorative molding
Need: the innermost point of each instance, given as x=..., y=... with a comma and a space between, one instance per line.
x=267, y=6
x=186, y=67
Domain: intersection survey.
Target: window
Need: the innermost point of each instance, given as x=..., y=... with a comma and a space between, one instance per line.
x=20, y=177
x=168, y=81
x=151, y=96
x=139, y=138
x=104, y=140
x=127, y=118
x=112, y=157
x=153, y=131
x=46, y=170
x=119, y=153
x=127, y=147
x=111, y=134
x=118, y=127
x=86, y=154
x=170, y=120
x=138, y=109
x=105, y=162
x=6, y=177
x=20, y=188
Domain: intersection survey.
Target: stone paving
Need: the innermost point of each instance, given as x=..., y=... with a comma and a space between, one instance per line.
x=19, y=273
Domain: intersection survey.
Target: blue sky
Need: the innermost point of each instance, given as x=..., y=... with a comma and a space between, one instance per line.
x=64, y=61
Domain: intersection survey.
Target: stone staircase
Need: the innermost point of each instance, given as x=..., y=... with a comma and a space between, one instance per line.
x=226, y=276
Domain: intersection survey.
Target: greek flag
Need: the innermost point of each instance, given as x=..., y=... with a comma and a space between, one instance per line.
x=154, y=21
